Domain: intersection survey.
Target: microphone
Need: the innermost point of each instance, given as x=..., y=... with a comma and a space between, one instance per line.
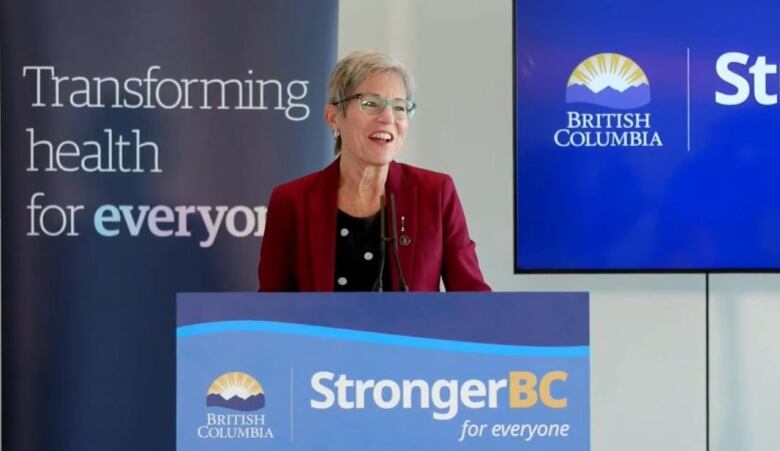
x=382, y=246
x=401, y=279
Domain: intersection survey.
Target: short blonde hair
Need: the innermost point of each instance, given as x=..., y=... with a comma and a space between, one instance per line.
x=354, y=68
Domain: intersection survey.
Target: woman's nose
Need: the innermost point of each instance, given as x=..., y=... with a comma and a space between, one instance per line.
x=386, y=116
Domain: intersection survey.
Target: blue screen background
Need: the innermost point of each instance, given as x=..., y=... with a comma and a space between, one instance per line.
x=713, y=207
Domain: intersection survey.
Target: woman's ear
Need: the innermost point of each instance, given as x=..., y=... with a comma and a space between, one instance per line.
x=331, y=114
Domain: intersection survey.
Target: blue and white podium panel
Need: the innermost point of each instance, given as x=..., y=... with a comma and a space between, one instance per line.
x=383, y=371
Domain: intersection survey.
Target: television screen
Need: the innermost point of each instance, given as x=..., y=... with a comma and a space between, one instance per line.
x=647, y=136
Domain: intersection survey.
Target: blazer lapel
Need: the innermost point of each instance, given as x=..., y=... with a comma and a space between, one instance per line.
x=406, y=217
x=321, y=208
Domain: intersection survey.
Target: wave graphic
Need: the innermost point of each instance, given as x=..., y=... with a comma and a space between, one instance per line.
x=321, y=332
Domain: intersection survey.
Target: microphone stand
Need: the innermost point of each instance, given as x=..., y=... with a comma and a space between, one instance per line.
x=382, y=246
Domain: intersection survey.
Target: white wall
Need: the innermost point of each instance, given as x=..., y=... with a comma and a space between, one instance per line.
x=745, y=362
x=647, y=331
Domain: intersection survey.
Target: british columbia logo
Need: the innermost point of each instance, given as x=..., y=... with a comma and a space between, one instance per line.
x=235, y=391
x=615, y=82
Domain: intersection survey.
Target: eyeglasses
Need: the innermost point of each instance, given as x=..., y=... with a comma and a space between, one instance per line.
x=375, y=104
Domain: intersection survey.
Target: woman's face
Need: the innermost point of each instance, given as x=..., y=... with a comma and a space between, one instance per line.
x=372, y=140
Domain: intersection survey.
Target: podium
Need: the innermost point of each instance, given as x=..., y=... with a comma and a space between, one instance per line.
x=383, y=371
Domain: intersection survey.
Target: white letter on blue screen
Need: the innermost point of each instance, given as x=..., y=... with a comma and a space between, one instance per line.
x=734, y=79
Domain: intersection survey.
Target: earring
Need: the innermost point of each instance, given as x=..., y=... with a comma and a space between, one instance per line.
x=336, y=134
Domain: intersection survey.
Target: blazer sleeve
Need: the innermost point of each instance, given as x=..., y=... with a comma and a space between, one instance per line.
x=460, y=270
x=276, y=269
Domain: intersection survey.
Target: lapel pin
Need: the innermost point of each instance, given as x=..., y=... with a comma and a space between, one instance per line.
x=405, y=240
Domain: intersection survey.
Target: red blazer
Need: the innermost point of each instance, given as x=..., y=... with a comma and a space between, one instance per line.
x=298, y=252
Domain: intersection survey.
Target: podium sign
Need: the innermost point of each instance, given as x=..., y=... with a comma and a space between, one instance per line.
x=383, y=371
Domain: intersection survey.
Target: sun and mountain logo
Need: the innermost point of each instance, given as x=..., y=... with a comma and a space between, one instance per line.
x=236, y=391
x=610, y=80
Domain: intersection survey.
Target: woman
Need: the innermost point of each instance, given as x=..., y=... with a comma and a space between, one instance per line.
x=327, y=231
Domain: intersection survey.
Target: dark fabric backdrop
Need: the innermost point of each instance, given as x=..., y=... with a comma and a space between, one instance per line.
x=88, y=321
